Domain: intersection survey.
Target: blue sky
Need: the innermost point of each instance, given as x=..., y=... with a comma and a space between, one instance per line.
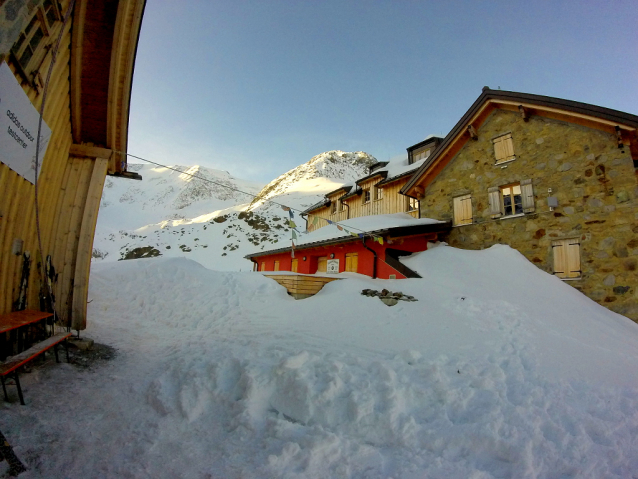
x=259, y=87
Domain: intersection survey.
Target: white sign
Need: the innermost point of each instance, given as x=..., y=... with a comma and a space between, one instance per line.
x=332, y=266
x=19, y=127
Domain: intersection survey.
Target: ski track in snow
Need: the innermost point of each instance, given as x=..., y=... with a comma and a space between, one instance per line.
x=222, y=375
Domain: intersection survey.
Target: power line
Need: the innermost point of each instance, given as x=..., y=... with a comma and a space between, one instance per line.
x=301, y=213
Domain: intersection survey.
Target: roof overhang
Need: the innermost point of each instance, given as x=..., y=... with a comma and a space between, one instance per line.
x=103, y=48
x=615, y=122
x=397, y=232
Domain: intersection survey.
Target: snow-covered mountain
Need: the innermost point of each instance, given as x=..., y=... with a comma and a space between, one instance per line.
x=208, y=215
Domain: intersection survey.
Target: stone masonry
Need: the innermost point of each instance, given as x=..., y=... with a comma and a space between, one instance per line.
x=597, y=190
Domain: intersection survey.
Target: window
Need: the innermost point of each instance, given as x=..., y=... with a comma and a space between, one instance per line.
x=419, y=155
x=511, y=200
x=263, y=266
x=333, y=207
x=352, y=262
x=31, y=46
x=504, y=148
x=343, y=205
x=378, y=193
x=567, y=258
x=462, y=210
x=366, y=196
x=412, y=204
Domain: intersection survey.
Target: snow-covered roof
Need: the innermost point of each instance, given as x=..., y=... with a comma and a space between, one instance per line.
x=373, y=224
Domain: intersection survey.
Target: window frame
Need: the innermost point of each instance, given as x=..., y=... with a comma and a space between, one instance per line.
x=512, y=200
x=38, y=22
x=409, y=202
x=378, y=193
x=365, y=196
x=333, y=207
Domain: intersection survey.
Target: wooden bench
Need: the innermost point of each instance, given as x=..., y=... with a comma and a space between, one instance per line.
x=12, y=365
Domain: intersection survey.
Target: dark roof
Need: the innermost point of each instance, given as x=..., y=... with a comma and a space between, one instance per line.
x=487, y=94
x=372, y=175
x=397, y=177
x=396, y=232
x=432, y=139
x=377, y=165
x=316, y=206
x=344, y=188
x=355, y=192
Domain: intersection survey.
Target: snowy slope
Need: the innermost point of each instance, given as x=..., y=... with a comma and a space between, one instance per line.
x=499, y=370
x=170, y=213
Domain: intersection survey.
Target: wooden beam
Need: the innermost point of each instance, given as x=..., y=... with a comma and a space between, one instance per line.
x=90, y=151
x=472, y=132
x=524, y=113
x=77, y=42
x=85, y=244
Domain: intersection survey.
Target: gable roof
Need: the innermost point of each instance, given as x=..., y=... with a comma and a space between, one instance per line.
x=606, y=119
x=396, y=224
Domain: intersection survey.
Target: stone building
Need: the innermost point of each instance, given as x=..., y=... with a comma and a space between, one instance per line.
x=555, y=179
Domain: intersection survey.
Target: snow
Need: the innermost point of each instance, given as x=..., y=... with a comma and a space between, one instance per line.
x=498, y=370
x=362, y=224
x=399, y=166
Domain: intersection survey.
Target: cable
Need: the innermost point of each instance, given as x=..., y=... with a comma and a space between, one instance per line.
x=54, y=55
x=348, y=228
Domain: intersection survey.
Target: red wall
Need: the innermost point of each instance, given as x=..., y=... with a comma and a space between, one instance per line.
x=365, y=260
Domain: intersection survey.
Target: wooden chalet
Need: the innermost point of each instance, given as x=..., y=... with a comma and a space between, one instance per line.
x=377, y=193
x=86, y=112
x=331, y=250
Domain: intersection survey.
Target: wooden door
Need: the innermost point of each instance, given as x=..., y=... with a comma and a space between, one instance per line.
x=276, y=266
x=352, y=262
x=322, y=263
x=293, y=265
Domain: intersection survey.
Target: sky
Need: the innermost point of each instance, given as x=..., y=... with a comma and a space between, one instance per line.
x=256, y=88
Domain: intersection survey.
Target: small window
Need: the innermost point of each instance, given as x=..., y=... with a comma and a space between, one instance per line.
x=512, y=199
x=31, y=47
x=567, y=258
x=412, y=204
x=378, y=193
x=463, y=210
x=419, y=155
x=263, y=266
x=343, y=205
x=504, y=148
x=366, y=196
x=333, y=207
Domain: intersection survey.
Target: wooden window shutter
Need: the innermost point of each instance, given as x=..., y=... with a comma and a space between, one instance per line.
x=462, y=210
x=499, y=150
x=504, y=148
x=508, y=147
x=566, y=258
x=495, y=201
x=527, y=193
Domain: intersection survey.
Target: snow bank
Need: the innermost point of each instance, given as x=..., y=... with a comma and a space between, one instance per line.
x=499, y=370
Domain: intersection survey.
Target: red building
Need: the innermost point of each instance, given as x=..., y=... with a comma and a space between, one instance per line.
x=368, y=245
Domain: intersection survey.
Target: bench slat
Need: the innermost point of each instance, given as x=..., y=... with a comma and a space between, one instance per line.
x=25, y=356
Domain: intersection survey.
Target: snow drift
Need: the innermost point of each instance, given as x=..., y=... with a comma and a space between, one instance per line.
x=498, y=370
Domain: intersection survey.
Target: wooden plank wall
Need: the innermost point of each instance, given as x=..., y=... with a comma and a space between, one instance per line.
x=67, y=211
x=392, y=202
x=301, y=284
x=17, y=198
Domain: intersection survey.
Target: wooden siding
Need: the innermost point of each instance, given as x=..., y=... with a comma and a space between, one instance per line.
x=300, y=286
x=69, y=185
x=392, y=202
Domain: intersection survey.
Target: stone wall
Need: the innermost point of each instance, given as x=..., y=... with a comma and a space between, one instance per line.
x=597, y=190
